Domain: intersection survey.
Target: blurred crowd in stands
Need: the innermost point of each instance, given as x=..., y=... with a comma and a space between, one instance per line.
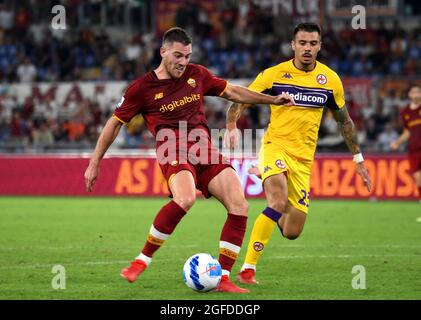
x=252, y=39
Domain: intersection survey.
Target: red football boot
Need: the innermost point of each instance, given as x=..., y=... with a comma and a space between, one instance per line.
x=136, y=268
x=247, y=276
x=227, y=286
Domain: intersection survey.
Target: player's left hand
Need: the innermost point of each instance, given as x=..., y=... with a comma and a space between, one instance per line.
x=363, y=173
x=284, y=99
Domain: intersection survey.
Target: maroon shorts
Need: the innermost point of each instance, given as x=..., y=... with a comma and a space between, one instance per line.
x=414, y=162
x=198, y=155
x=202, y=173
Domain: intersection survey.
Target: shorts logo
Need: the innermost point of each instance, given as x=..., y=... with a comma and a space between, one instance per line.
x=266, y=169
x=192, y=82
x=174, y=163
x=321, y=79
x=258, y=246
x=159, y=95
x=280, y=164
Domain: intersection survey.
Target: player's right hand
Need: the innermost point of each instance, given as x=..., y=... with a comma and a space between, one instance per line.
x=91, y=175
x=232, y=136
x=394, y=145
x=363, y=173
x=284, y=99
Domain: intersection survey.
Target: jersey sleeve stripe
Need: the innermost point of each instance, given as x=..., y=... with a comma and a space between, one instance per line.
x=226, y=86
x=119, y=119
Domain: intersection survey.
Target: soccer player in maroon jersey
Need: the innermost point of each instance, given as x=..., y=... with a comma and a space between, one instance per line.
x=411, y=118
x=170, y=98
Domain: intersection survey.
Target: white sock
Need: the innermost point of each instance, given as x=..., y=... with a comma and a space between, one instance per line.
x=225, y=272
x=144, y=258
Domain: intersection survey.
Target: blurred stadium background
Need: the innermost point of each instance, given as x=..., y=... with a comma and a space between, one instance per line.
x=109, y=43
x=58, y=87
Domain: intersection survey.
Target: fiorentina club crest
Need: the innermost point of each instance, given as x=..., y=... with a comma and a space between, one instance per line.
x=321, y=78
x=258, y=246
x=280, y=164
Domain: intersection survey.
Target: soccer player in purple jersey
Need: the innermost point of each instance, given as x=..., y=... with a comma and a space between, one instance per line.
x=168, y=97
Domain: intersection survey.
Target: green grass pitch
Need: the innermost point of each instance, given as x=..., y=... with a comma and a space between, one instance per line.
x=94, y=238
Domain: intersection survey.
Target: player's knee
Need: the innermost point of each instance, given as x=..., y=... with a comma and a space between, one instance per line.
x=242, y=207
x=417, y=178
x=186, y=202
x=239, y=206
x=278, y=204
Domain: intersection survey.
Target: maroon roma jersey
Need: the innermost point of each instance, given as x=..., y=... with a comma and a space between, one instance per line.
x=412, y=122
x=164, y=103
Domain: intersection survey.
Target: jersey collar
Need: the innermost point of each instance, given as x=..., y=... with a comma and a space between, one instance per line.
x=304, y=71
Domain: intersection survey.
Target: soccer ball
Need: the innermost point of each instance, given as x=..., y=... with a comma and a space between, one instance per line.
x=202, y=272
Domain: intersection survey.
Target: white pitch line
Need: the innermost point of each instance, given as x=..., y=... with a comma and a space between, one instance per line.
x=286, y=257
x=391, y=246
x=72, y=264
x=50, y=265
x=384, y=246
x=99, y=247
x=343, y=256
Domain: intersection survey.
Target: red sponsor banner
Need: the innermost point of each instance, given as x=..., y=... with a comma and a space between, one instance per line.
x=64, y=176
x=333, y=176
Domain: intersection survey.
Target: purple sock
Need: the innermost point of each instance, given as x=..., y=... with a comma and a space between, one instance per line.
x=273, y=215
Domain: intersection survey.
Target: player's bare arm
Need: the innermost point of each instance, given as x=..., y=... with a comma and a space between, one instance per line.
x=241, y=94
x=108, y=135
x=402, y=138
x=235, y=111
x=349, y=133
x=232, y=134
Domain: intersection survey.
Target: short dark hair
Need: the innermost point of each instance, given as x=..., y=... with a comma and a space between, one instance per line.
x=308, y=27
x=176, y=34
